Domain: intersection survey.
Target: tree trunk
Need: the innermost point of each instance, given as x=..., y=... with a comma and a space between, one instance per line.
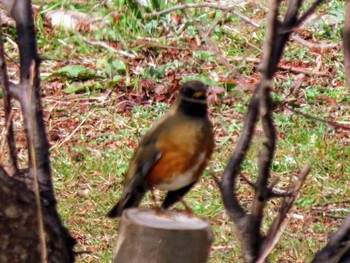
x=19, y=233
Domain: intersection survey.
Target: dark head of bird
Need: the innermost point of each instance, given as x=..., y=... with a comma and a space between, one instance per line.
x=193, y=98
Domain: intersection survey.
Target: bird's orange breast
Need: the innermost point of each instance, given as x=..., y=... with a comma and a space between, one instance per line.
x=185, y=150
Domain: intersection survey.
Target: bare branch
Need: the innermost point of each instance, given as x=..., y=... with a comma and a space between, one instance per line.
x=337, y=246
x=29, y=87
x=308, y=12
x=32, y=205
x=269, y=44
x=7, y=107
x=266, y=154
x=283, y=35
x=252, y=237
x=229, y=177
x=247, y=181
x=269, y=140
x=280, y=222
x=249, y=225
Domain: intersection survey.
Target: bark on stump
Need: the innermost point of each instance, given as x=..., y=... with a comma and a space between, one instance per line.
x=19, y=237
x=169, y=237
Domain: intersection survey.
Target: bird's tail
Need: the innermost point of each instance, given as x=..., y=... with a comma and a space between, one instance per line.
x=128, y=200
x=116, y=211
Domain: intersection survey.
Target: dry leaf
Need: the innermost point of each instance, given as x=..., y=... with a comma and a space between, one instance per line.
x=72, y=20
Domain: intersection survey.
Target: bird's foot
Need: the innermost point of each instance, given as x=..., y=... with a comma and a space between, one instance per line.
x=162, y=212
x=188, y=210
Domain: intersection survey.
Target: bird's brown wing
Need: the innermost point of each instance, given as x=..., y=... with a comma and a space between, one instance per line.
x=135, y=187
x=144, y=159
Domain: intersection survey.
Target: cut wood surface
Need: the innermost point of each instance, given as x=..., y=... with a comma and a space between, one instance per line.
x=148, y=236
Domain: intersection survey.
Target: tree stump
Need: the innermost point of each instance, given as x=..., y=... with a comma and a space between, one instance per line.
x=165, y=237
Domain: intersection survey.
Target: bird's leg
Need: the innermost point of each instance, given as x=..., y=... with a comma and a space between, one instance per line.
x=153, y=198
x=158, y=209
x=188, y=210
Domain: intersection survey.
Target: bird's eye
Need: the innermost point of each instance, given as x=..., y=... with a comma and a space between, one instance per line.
x=187, y=92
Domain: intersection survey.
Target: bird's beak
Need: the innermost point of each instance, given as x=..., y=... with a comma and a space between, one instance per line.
x=198, y=94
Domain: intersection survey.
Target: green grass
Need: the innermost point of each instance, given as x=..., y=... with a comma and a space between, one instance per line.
x=103, y=119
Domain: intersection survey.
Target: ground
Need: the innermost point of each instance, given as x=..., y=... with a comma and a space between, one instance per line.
x=98, y=103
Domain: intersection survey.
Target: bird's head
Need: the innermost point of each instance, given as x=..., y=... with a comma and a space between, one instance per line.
x=194, y=91
x=193, y=98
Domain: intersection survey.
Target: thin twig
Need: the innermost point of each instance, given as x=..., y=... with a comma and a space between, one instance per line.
x=247, y=181
x=230, y=8
x=329, y=122
x=72, y=133
x=308, y=44
x=308, y=12
x=280, y=222
x=108, y=47
x=214, y=24
x=284, y=67
x=214, y=48
x=41, y=228
x=215, y=178
x=331, y=203
x=4, y=134
x=7, y=107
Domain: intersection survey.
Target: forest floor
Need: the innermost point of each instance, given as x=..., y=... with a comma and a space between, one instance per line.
x=108, y=78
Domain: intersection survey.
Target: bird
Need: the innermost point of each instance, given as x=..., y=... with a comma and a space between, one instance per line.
x=172, y=155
